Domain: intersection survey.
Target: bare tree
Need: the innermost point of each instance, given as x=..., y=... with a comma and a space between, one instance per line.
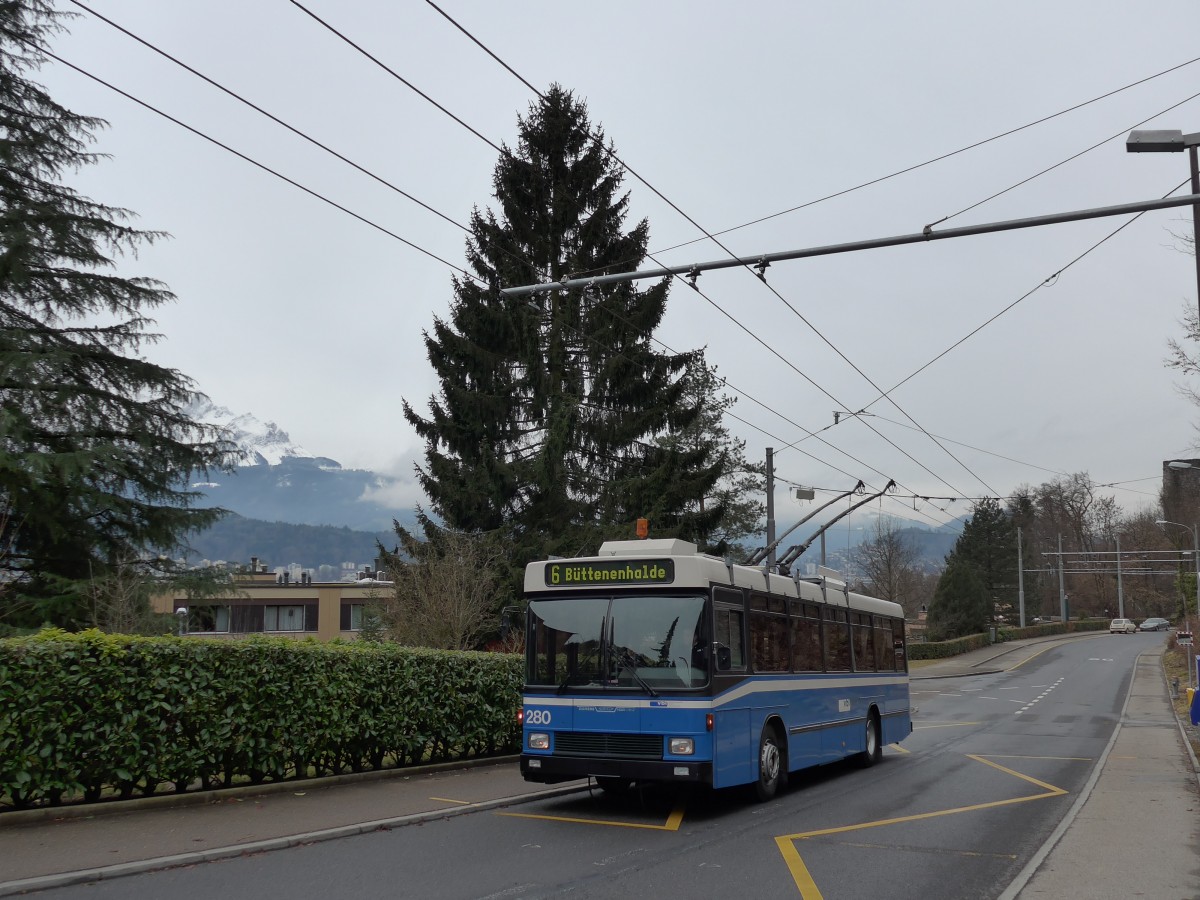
x=445, y=592
x=1184, y=357
x=888, y=561
x=120, y=599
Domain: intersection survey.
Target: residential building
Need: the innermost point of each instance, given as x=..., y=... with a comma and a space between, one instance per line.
x=276, y=604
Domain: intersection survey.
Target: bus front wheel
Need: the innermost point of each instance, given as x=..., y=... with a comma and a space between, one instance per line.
x=770, y=765
x=874, y=744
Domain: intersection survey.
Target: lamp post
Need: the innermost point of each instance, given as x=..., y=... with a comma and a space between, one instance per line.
x=1174, y=142
x=1195, y=532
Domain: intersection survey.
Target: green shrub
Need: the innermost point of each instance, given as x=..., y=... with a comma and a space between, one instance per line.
x=943, y=649
x=85, y=714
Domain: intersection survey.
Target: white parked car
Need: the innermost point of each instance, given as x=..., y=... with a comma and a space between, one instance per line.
x=1122, y=626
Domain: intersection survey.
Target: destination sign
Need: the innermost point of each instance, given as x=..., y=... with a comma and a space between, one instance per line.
x=575, y=574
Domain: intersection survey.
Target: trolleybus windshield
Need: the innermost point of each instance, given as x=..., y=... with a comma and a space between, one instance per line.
x=645, y=642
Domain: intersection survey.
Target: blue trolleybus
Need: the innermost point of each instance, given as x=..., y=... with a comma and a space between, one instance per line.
x=652, y=662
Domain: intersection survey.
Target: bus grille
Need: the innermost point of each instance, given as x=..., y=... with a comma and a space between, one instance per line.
x=623, y=746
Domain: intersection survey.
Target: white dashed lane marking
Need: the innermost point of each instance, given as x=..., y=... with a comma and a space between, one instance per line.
x=1041, y=696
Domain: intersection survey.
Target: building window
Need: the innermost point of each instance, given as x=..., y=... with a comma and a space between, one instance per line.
x=208, y=619
x=352, y=615
x=283, y=618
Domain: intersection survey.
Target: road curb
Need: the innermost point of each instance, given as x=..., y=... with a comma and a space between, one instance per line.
x=955, y=674
x=120, y=870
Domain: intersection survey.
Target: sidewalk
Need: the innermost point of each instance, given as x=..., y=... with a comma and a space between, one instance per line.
x=1134, y=831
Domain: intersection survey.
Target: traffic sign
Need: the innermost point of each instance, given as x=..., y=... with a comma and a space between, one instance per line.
x=1184, y=638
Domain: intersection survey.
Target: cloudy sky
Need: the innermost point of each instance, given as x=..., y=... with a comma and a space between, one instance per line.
x=300, y=313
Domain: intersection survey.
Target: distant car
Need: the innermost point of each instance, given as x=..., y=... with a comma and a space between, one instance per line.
x=1155, y=625
x=1122, y=626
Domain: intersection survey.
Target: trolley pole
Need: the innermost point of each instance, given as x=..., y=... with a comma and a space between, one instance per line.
x=770, y=508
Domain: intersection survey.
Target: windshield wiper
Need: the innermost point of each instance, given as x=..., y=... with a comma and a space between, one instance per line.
x=626, y=661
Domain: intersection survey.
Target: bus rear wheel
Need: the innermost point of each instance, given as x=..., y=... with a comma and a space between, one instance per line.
x=770, y=765
x=874, y=742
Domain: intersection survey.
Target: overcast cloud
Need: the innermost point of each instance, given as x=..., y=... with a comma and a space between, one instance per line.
x=303, y=315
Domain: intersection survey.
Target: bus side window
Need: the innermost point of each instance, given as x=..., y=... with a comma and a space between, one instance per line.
x=837, y=640
x=731, y=651
x=885, y=656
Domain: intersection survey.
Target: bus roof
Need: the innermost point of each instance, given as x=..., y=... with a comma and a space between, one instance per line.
x=663, y=563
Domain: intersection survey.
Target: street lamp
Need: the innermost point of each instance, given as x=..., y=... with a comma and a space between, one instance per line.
x=1174, y=142
x=1195, y=531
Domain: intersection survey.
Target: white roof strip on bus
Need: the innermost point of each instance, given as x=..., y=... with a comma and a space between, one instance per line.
x=700, y=572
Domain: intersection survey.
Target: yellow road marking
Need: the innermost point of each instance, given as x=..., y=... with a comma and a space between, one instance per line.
x=898, y=748
x=1051, y=647
x=1054, y=791
x=1034, y=656
x=1059, y=758
x=672, y=824
x=804, y=881
x=448, y=800
x=803, y=878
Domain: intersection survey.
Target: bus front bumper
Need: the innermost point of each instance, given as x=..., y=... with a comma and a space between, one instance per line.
x=555, y=769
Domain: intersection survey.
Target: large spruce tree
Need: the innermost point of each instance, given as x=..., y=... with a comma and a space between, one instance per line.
x=551, y=409
x=980, y=573
x=95, y=446
x=988, y=544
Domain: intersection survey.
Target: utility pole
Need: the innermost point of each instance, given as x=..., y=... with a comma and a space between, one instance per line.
x=1062, y=594
x=1020, y=579
x=1120, y=588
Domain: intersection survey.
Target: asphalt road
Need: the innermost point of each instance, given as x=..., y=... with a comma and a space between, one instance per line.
x=994, y=763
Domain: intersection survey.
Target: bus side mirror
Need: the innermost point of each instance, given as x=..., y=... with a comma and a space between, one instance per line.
x=724, y=659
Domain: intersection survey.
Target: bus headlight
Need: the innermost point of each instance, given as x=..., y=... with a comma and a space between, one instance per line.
x=538, y=740
x=681, y=746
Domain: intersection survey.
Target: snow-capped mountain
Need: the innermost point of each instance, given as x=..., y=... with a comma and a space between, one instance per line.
x=258, y=443
x=276, y=480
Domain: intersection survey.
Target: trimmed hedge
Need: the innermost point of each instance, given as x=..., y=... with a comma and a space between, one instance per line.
x=944, y=649
x=1029, y=631
x=83, y=715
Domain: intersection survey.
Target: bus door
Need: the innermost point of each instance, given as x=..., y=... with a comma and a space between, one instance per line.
x=733, y=758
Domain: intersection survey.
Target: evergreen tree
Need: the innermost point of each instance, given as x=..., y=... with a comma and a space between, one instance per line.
x=550, y=406
x=741, y=490
x=960, y=602
x=988, y=544
x=94, y=441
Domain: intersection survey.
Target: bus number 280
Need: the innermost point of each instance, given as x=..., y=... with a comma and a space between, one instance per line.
x=537, y=717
